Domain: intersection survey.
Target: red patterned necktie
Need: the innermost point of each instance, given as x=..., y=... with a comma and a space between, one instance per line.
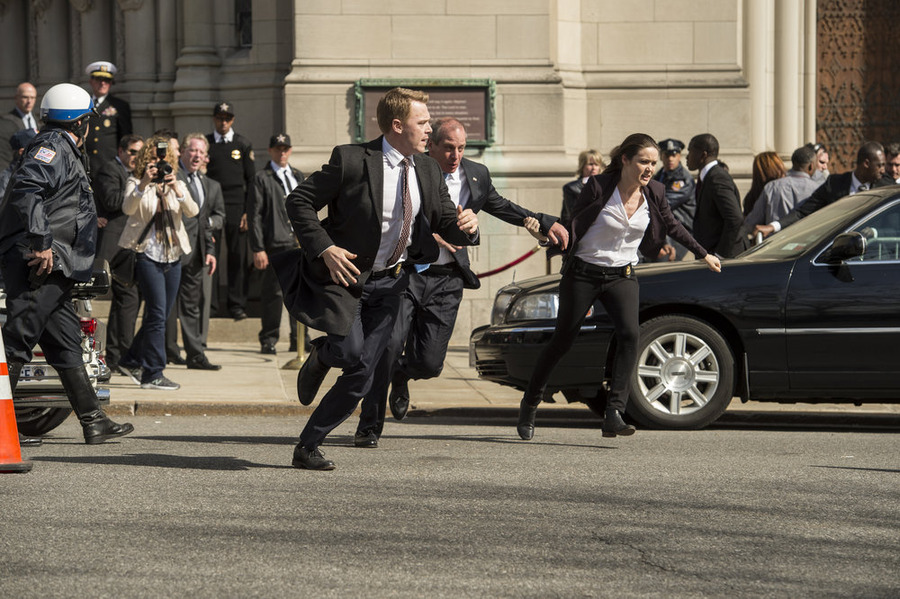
x=407, y=215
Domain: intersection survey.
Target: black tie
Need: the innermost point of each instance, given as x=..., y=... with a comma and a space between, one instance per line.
x=284, y=180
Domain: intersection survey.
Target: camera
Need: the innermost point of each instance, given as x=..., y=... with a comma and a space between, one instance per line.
x=163, y=168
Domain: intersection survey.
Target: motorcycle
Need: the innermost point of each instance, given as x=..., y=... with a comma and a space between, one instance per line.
x=39, y=400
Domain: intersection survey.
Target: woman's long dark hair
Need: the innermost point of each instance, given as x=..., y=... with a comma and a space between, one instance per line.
x=633, y=144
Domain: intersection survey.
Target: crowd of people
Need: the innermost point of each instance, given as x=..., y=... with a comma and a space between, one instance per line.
x=383, y=276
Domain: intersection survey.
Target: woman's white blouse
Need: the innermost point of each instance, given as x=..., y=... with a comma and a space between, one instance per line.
x=613, y=238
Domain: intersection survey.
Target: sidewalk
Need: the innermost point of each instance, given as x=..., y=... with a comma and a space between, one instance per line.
x=252, y=383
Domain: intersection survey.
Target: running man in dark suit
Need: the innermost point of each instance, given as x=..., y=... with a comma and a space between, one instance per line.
x=384, y=200
x=429, y=306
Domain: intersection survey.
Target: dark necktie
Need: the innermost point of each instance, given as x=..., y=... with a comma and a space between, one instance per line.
x=194, y=182
x=407, y=215
x=698, y=188
x=284, y=181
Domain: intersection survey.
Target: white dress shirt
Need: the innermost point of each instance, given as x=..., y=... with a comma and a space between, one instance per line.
x=281, y=173
x=613, y=238
x=228, y=137
x=458, y=186
x=392, y=205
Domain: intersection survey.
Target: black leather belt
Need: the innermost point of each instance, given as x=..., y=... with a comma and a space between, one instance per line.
x=392, y=272
x=441, y=270
x=586, y=268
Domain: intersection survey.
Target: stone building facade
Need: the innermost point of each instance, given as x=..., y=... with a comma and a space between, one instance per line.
x=570, y=75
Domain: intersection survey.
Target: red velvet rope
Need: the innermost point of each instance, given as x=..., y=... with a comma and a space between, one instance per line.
x=521, y=258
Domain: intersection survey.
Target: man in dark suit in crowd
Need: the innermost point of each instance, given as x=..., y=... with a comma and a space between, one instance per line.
x=20, y=117
x=231, y=164
x=718, y=219
x=109, y=193
x=197, y=267
x=112, y=120
x=384, y=200
x=867, y=174
x=429, y=306
x=271, y=233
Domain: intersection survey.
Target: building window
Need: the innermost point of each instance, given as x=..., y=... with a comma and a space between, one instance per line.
x=244, y=21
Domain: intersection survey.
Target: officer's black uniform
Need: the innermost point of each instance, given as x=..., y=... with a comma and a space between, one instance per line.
x=50, y=205
x=680, y=190
x=111, y=123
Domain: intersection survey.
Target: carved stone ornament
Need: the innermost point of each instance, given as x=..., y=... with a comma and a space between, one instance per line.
x=127, y=5
x=82, y=6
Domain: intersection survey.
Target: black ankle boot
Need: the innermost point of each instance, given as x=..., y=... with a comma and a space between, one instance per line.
x=97, y=427
x=527, y=411
x=613, y=424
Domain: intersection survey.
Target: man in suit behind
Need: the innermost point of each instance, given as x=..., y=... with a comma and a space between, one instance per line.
x=429, y=306
x=197, y=267
x=718, y=219
x=20, y=117
x=109, y=193
x=384, y=200
x=867, y=174
x=112, y=120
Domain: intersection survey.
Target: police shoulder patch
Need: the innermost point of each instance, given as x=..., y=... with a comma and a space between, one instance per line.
x=45, y=155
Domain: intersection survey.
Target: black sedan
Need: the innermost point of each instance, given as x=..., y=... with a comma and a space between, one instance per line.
x=810, y=315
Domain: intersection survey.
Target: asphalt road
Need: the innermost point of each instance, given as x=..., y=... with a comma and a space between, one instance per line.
x=210, y=507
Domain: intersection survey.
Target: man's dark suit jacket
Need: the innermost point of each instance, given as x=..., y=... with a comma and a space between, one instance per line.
x=718, y=220
x=485, y=197
x=594, y=197
x=109, y=193
x=351, y=187
x=10, y=124
x=834, y=188
x=200, y=228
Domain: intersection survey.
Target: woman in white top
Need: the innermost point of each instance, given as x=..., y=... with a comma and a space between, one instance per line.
x=155, y=202
x=618, y=212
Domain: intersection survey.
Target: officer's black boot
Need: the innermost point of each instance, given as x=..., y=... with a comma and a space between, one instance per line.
x=15, y=369
x=96, y=425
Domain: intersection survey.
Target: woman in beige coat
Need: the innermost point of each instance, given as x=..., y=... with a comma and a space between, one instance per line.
x=155, y=202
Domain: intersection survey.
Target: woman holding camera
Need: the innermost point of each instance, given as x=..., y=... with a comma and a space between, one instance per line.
x=155, y=202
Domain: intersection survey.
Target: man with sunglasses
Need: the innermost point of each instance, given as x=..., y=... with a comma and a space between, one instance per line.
x=109, y=193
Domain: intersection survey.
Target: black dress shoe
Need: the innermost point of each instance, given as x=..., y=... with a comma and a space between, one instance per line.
x=368, y=440
x=177, y=360
x=399, y=397
x=310, y=377
x=268, y=349
x=238, y=315
x=613, y=425
x=527, y=412
x=202, y=363
x=310, y=459
x=97, y=428
x=29, y=441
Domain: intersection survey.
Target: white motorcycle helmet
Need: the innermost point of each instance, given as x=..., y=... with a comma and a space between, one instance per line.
x=65, y=103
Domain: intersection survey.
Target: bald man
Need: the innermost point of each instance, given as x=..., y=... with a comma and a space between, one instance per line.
x=20, y=117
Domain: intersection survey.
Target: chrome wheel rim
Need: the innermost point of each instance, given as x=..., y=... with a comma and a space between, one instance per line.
x=678, y=373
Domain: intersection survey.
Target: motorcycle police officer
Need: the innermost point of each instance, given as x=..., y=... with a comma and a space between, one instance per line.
x=48, y=234
x=679, y=189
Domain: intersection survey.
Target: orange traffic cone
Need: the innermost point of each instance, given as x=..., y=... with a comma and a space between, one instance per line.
x=10, y=454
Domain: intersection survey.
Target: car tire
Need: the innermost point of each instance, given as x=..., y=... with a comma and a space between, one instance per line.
x=685, y=374
x=35, y=422
x=594, y=399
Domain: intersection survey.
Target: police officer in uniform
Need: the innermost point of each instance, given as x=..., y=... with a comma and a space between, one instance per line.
x=48, y=235
x=112, y=118
x=679, y=192
x=231, y=165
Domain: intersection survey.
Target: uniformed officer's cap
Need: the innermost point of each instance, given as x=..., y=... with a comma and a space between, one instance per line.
x=671, y=146
x=226, y=108
x=21, y=138
x=281, y=139
x=101, y=69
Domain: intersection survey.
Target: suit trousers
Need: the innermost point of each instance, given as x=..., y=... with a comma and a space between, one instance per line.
x=419, y=342
x=44, y=315
x=358, y=353
x=123, y=312
x=577, y=293
x=271, y=307
x=237, y=267
x=190, y=310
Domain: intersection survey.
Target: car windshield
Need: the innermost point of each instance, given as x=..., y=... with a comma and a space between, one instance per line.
x=804, y=235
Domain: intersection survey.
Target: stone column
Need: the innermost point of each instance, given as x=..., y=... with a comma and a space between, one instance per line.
x=197, y=68
x=788, y=54
x=756, y=15
x=140, y=65
x=810, y=71
x=168, y=54
x=97, y=33
x=15, y=67
x=50, y=41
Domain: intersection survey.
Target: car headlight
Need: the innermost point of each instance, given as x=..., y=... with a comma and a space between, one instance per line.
x=501, y=303
x=534, y=306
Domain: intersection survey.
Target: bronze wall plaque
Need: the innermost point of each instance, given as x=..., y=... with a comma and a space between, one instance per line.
x=469, y=100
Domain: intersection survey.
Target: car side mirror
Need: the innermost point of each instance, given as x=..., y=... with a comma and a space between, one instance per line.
x=845, y=246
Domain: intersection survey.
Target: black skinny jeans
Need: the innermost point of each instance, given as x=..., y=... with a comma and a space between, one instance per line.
x=577, y=292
